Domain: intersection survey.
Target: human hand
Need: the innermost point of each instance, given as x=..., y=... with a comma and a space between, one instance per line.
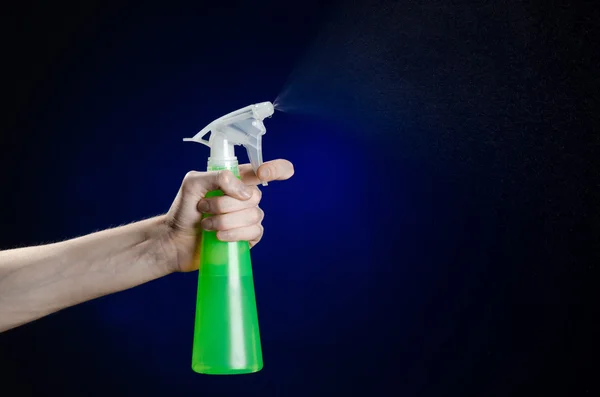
x=237, y=216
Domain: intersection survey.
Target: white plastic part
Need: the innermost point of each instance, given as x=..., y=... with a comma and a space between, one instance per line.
x=241, y=127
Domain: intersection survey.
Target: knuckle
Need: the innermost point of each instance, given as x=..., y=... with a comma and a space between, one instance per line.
x=255, y=234
x=260, y=231
x=259, y=214
x=257, y=196
x=190, y=175
x=189, y=180
x=224, y=177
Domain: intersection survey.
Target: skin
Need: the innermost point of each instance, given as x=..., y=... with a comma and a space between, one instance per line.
x=39, y=280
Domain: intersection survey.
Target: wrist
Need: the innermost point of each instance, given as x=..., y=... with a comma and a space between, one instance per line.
x=159, y=234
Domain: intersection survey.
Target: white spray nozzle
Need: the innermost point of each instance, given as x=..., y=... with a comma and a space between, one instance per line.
x=241, y=127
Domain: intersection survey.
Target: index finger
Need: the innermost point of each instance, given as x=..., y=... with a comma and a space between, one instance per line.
x=274, y=170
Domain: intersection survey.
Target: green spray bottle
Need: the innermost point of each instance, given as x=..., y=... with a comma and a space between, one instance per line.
x=226, y=332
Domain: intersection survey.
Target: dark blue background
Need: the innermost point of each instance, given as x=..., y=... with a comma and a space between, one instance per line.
x=439, y=247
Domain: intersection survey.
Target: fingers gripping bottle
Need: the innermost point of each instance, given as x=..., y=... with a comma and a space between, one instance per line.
x=226, y=332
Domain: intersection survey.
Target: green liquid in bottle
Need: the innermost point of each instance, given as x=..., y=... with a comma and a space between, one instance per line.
x=226, y=333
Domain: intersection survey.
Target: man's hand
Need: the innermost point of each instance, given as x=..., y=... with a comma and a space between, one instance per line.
x=38, y=280
x=236, y=215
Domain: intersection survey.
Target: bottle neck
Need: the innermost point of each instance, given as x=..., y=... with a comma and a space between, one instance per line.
x=220, y=164
x=221, y=149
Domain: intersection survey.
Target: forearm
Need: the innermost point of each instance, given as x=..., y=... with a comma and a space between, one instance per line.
x=37, y=281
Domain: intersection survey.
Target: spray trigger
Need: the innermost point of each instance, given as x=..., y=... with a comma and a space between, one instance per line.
x=242, y=127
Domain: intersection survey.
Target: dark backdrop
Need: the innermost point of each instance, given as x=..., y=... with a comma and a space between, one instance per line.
x=444, y=249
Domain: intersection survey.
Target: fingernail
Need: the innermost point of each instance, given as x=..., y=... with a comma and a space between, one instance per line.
x=266, y=173
x=207, y=224
x=203, y=206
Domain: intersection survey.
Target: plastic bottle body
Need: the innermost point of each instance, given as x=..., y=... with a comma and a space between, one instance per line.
x=226, y=332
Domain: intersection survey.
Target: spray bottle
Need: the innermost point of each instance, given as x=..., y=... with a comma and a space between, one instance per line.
x=226, y=332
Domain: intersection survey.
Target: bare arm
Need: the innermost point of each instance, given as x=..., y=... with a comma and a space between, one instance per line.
x=39, y=280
